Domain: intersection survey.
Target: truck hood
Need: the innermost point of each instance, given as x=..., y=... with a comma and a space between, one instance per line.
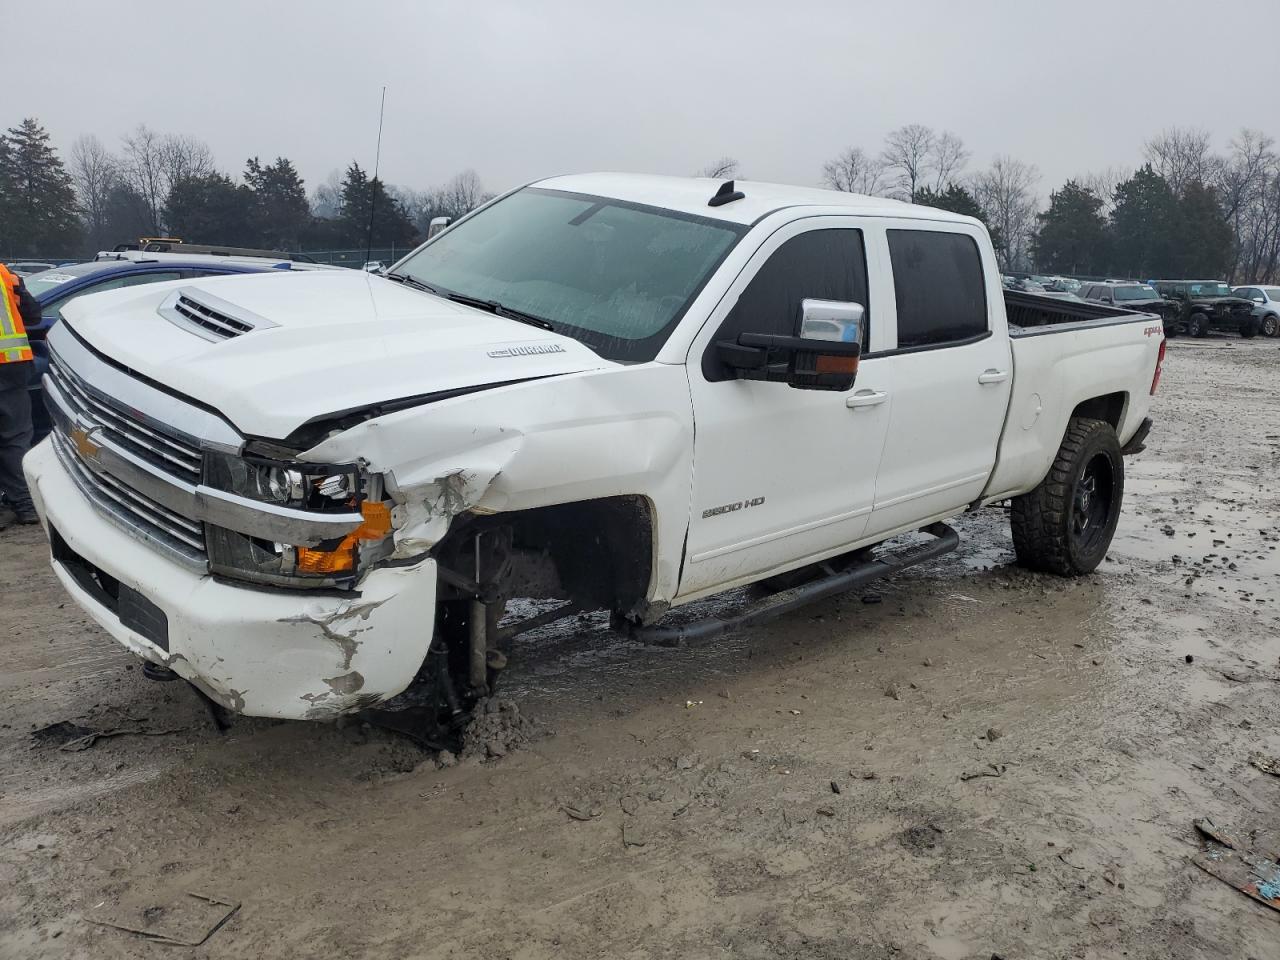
x=318, y=343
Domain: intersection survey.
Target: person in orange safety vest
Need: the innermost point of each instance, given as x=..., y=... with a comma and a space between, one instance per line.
x=17, y=309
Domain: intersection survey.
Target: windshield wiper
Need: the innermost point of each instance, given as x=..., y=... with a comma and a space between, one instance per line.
x=410, y=282
x=494, y=307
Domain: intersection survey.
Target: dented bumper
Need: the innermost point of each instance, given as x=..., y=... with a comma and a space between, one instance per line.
x=269, y=653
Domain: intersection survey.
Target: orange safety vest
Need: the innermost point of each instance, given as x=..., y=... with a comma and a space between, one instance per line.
x=14, y=345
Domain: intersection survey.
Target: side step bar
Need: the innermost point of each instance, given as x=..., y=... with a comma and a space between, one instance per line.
x=945, y=540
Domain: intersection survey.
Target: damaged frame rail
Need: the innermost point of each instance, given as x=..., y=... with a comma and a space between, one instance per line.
x=945, y=539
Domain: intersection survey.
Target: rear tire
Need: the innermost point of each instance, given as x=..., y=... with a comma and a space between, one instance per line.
x=1065, y=525
x=1270, y=326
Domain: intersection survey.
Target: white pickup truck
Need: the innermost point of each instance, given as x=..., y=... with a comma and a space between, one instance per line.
x=603, y=392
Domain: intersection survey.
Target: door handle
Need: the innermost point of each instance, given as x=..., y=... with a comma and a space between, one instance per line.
x=993, y=376
x=866, y=398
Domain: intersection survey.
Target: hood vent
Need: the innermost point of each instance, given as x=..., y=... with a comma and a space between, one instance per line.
x=209, y=317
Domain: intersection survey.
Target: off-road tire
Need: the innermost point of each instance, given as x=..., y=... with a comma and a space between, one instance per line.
x=1198, y=325
x=1270, y=326
x=1250, y=329
x=1047, y=532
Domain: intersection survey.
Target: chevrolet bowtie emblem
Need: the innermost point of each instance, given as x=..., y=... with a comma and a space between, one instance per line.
x=83, y=439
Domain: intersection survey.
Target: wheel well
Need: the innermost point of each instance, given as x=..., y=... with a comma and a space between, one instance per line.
x=1108, y=408
x=596, y=553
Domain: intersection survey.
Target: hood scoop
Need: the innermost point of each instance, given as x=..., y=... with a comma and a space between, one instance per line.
x=209, y=317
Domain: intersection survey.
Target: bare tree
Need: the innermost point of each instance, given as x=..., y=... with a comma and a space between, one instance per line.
x=462, y=194
x=854, y=172
x=152, y=163
x=1181, y=155
x=947, y=158
x=726, y=168
x=143, y=170
x=1245, y=181
x=326, y=197
x=1006, y=193
x=184, y=157
x=1102, y=184
x=95, y=172
x=908, y=155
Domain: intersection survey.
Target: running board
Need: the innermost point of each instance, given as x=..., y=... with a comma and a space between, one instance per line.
x=945, y=540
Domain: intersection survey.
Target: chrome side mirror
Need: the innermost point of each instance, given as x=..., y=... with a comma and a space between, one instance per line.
x=436, y=225
x=834, y=320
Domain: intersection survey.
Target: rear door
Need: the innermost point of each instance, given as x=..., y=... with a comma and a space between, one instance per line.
x=781, y=475
x=951, y=371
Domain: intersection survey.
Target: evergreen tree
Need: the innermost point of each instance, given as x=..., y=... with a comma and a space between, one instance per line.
x=1143, y=227
x=957, y=199
x=126, y=216
x=1205, y=237
x=280, y=213
x=39, y=204
x=1073, y=235
x=391, y=224
x=210, y=208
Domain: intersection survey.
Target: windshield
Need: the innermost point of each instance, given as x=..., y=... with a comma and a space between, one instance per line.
x=1137, y=292
x=615, y=275
x=1209, y=289
x=39, y=283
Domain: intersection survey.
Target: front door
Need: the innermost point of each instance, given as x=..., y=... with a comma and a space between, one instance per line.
x=781, y=475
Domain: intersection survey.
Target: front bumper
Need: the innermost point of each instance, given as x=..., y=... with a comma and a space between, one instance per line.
x=266, y=653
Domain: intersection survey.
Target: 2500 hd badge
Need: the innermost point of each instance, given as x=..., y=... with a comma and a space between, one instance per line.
x=732, y=507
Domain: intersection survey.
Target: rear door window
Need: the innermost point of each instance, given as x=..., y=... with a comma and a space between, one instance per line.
x=820, y=264
x=939, y=288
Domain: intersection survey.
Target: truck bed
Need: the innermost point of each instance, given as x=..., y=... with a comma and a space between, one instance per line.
x=1099, y=354
x=1031, y=314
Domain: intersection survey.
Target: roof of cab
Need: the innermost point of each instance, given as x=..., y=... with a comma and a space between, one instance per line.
x=690, y=195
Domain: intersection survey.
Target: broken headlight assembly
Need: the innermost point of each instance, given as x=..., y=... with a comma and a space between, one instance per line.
x=297, y=487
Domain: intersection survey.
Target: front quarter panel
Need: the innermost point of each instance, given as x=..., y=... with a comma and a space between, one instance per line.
x=626, y=430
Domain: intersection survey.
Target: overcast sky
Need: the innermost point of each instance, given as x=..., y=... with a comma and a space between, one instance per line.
x=524, y=90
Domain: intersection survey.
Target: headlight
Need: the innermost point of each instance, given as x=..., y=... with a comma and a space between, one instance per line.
x=298, y=485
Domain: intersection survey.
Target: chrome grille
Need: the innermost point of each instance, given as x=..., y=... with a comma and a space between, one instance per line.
x=176, y=456
x=221, y=325
x=181, y=537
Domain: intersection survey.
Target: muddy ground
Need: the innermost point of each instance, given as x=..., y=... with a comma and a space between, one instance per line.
x=804, y=789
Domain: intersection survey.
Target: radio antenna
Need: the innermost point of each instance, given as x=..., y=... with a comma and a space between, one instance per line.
x=373, y=186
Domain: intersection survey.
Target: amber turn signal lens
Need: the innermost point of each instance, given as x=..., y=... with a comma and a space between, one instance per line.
x=835, y=364
x=377, y=524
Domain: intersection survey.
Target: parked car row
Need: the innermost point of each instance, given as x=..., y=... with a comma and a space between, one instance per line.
x=1195, y=307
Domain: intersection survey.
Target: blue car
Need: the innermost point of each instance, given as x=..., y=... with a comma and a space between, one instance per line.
x=55, y=288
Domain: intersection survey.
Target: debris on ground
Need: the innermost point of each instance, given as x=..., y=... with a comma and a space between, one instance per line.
x=495, y=729
x=1214, y=832
x=176, y=916
x=578, y=813
x=73, y=738
x=1251, y=873
x=1265, y=763
x=990, y=770
x=994, y=734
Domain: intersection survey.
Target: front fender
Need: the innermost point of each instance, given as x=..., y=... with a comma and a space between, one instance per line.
x=620, y=431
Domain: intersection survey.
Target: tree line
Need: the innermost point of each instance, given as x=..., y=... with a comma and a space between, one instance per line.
x=169, y=185
x=1186, y=211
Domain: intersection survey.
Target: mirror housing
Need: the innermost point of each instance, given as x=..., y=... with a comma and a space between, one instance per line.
x=823, y=356
x=436, y=225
